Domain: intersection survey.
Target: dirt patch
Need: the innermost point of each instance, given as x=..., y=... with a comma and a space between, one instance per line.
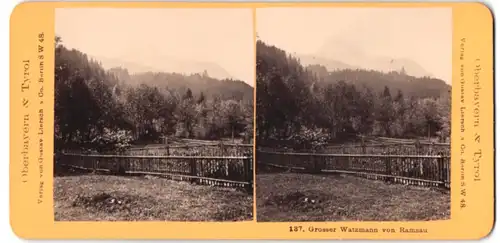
x=300, y=201
x=106, y=202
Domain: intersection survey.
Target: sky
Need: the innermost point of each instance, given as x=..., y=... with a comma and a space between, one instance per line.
x=419, y=34
x=156, y=37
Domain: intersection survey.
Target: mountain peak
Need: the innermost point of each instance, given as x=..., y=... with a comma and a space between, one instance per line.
x=350, y=54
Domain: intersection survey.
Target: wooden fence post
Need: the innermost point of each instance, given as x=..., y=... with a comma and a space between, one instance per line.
x=248, y=165
x=95, y=166
x=417, y=146
x=193, y=170
x=345, y=160
x=222, y=148
x=442, y=171
x=167, y=146
x=388, y=169
x=119, y=166
x=311, y=166
x=316, y=165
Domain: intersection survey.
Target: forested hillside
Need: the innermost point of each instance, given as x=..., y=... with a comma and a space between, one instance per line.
x=410, y=86
x=197, y=83
x=313, y=105
x=105, y=109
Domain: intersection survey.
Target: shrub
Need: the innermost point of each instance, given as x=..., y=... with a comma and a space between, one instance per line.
x=112, y=140
x=310, y=138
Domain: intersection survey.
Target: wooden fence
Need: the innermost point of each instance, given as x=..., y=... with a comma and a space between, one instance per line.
x=220, y=149
x=365, y=145
x=424, y=170
x=377, y=149
x=229, y=171
x=391, y=148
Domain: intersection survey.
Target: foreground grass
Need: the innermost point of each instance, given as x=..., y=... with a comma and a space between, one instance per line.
x=114, y=198
x=306, y=197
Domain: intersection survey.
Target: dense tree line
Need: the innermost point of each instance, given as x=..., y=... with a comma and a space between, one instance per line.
x=108, y=109
x=410, y=86
x=308, y=105
x=197, y=83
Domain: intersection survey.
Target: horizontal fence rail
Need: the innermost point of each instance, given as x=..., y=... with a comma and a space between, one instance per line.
x=396, y=148
x=194, y=150
x=401, y=140
x=118, y=156
x=383, y=147
x=424, y=170
x=230, y=171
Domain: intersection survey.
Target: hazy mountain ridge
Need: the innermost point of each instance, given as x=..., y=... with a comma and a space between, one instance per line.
x=339, y=54
x=330, y=64
x=381, y=64
x=168, y=64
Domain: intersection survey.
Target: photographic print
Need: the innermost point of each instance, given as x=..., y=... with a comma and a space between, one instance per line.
x=153, y=114
x=251, y=120
x=353, y=114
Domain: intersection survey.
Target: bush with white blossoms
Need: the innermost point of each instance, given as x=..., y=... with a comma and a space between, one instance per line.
x=113, y=140
x=310, y=138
